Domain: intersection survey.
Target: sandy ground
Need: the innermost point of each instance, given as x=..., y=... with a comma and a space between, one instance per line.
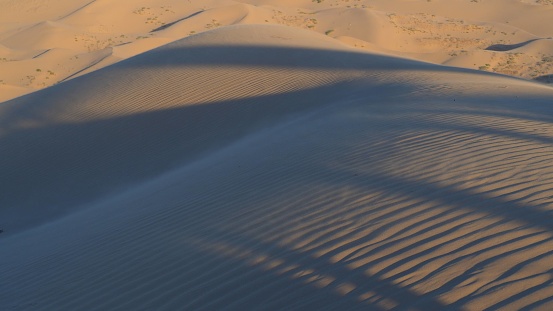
x=44, y=42
x=273, y=167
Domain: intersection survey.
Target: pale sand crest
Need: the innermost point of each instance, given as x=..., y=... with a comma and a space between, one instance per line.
x=267, y=167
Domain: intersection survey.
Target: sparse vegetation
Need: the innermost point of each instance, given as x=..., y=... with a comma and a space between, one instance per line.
x=485, y=67
x=214, y=23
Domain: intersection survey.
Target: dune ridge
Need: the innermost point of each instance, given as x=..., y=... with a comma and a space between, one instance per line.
x=198, y=176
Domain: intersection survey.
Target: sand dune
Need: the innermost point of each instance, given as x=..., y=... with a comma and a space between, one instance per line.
x=97, y=33
x=269, y=167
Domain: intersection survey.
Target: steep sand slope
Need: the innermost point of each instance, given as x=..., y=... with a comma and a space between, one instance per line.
x=265, y=167
x=44, y=42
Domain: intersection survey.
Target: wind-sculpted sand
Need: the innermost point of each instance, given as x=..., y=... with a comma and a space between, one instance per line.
x=273, y=168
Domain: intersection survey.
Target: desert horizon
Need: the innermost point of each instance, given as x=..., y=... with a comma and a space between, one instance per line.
x=276, y=155
x=43, y=43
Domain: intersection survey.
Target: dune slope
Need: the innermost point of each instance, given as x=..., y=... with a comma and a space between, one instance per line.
x=266, y=167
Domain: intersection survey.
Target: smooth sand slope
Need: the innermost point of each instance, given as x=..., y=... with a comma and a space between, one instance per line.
x=45, y=42
x=267, y=167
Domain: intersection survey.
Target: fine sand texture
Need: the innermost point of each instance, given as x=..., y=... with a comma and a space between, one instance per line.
x=45, y=42
x=269, y=167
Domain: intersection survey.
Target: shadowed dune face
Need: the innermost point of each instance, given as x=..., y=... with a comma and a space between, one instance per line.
x=546, y=79
x=508, y=47
x=171, y=106
x=239, y=93
x=203, y=178
x=98, y=131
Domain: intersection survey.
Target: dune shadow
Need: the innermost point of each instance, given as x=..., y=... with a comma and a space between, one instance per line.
x=50, y=167
x=508, y=47
x=57, y=167
x=271, y=57
x=545, y=79
x=162, y=27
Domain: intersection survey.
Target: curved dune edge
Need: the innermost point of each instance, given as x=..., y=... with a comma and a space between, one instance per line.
x=197, y=176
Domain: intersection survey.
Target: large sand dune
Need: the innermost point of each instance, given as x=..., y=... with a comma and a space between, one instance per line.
x=269, y=167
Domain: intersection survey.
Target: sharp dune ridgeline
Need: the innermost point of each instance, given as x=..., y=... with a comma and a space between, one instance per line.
x=256, y=166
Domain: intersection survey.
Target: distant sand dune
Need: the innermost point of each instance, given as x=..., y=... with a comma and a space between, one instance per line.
x=483, y=35
x=267, y=167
